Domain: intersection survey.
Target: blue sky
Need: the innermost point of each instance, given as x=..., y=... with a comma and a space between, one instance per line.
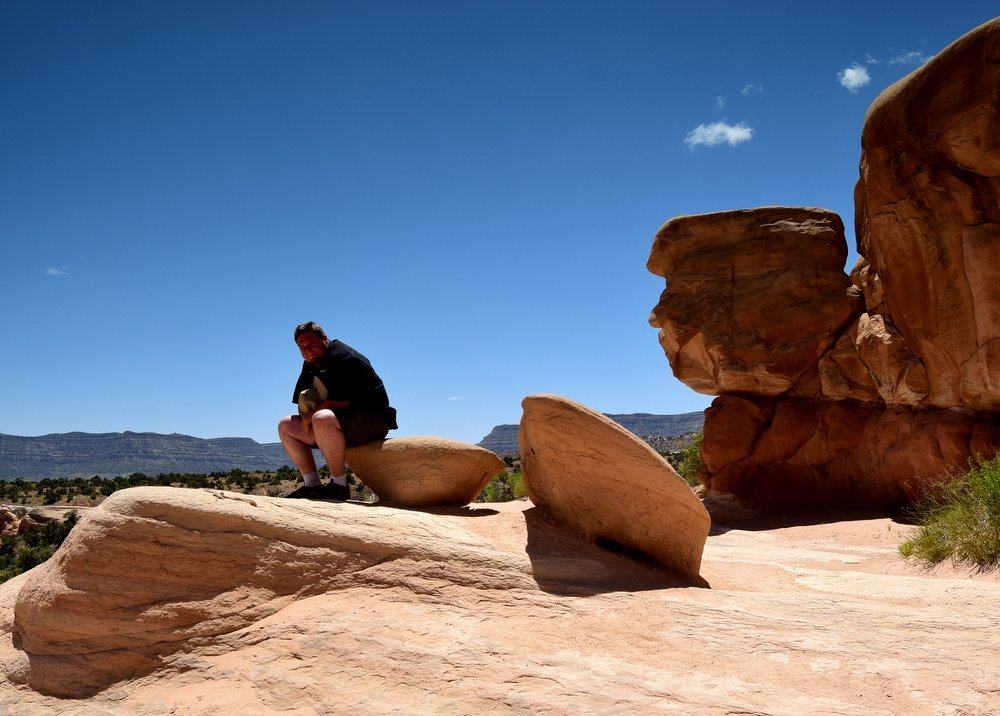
x=466, y=192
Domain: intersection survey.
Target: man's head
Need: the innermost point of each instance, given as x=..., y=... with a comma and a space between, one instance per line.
x=311, y=340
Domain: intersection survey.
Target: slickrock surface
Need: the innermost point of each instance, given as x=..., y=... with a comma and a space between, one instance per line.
x=882, y=383
x=603, y=483
x=493, y=608
x=423, y=470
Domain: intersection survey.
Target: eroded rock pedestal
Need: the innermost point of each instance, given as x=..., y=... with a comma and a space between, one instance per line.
x=868, y=388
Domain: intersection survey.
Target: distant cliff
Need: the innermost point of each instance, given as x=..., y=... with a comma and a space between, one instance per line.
x=663, y=432
x=88, y=454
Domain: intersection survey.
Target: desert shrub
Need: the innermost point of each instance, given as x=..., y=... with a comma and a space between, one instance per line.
x=962, y=522
x=19, y=553
x=504, y=487
x=690, y=461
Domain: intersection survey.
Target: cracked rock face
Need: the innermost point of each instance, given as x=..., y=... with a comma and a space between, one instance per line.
x=606, y=485
x=423, y=470
x=868, y=389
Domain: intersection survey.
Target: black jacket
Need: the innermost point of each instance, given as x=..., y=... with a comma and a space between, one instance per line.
x=348, y=376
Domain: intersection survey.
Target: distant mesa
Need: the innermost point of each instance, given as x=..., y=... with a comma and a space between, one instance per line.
x=662, y=432
x=87, y=454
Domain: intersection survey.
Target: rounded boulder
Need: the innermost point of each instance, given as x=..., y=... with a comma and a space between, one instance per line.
x=423, y=470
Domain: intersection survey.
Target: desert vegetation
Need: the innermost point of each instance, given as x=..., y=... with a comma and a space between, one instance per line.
x=90, y=491
x=962, y=522
x=689, y=461
x=506, y=486
x=19, y=553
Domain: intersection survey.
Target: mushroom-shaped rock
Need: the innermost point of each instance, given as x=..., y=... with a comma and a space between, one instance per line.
x=754, y=297
x=604, y=483
x=423, y=470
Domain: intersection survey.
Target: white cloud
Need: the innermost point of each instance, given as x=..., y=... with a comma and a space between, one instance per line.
x=870, y=60
x=711, y=135
x=457, y=397
x=720, y=101
x=913, y=57
x=751, y=87
x=53, y=271
x=854, y=77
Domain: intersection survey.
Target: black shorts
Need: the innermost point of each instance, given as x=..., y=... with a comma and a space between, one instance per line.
x=361, y=428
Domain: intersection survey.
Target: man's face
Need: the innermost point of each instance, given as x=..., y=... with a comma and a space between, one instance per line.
x=311, y=346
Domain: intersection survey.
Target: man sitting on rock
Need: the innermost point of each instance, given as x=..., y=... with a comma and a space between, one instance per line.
x=342, y=403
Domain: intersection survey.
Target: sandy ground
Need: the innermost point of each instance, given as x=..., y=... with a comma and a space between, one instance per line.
x=810, y=615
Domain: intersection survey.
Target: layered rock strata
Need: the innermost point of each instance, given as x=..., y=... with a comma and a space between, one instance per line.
x=605, y=484
x=868, y=388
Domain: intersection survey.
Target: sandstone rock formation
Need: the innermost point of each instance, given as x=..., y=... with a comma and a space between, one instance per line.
x=928, y=218
x=211, y=563
x=263, y=605
x=865, y=389
x=605, y=484
x=422, y=470
x=17, y=519
x=730, y=274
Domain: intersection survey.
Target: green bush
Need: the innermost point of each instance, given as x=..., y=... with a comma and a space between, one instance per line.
x=19, y=553
x=504, y=487
x=962, y=523
x=690, y=462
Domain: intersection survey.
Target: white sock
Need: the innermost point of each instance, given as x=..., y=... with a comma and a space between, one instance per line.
x=338, y=479
x=311, y=479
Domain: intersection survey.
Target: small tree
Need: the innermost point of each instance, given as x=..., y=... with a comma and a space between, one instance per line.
x=691, y=461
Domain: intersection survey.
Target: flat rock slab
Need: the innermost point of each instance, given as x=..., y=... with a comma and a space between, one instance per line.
x=605, y=484
x=423, y=470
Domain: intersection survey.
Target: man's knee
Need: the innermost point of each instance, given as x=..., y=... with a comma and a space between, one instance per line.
x=325, y=419
x=285, y=425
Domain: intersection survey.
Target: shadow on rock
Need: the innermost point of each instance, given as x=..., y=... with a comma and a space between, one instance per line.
x=730, y=513
x=567, y=565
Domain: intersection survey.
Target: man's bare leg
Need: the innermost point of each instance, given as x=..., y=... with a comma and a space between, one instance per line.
x=298, y=443
x=330, y=439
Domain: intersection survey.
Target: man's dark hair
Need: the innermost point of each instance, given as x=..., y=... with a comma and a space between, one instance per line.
x=309, y=327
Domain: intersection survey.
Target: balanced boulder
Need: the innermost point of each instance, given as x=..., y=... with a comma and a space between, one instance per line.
x=754, y=296
x=423, y=470
x=605, y=484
